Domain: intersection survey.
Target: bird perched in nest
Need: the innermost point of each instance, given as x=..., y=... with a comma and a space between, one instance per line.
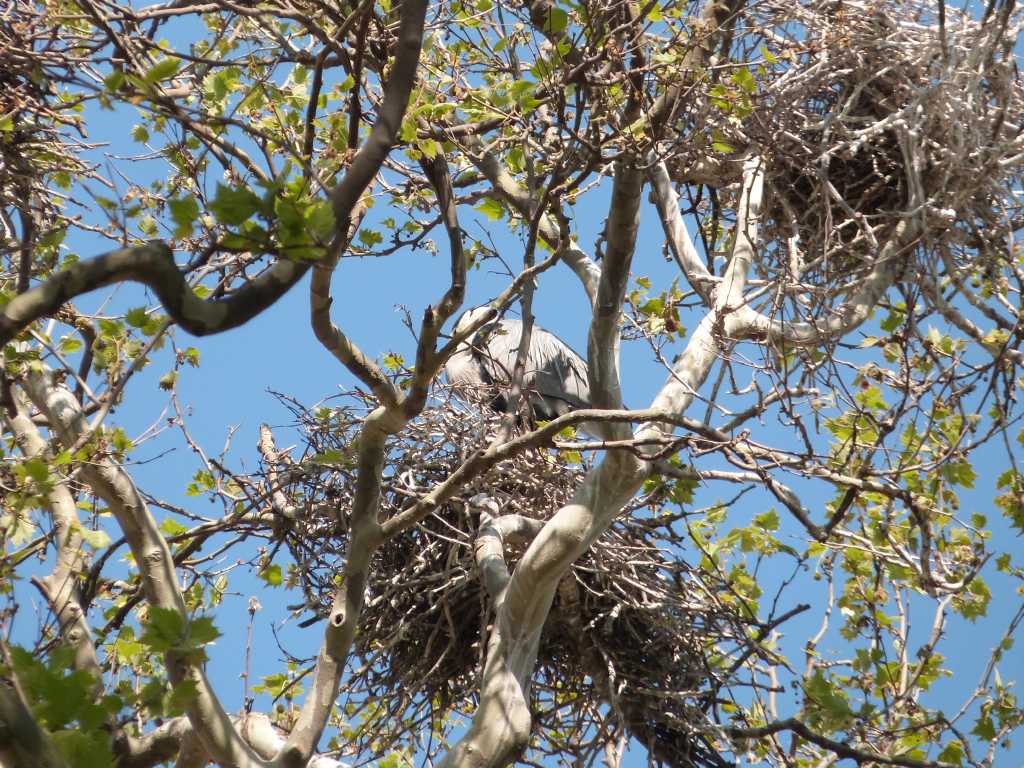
x=554, y=379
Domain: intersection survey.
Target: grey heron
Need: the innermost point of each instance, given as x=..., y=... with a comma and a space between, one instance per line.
x=554, y=380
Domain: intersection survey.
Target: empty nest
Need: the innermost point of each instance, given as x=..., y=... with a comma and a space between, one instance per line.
x=873, y=113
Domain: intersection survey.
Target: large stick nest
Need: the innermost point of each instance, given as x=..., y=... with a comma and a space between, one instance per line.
x=636, y=638
x=37, y=141
x=876, y=112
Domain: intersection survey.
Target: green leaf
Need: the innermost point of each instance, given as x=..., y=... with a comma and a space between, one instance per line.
x=58, y=695
x=184, y=693
x=162, y=70
x=37, y=469
x=953, y=753
x=136, y=317
x=168, y=630
x=233, y=206
x=745, y=80
x=95, y=539
x=830, y=699
x=408, y=131
x=184, y=213
x=128, y=650
x=370, y=237
x=220, y=86
x=871, y=400
x=148, y=226
x=172, y=527
x=428, y=147
x=202, y=630
x=164, y=629
x=984, y=728
x=69, y=344
x=556, y=22
x=492, y=209
x=272, y=575
x=571, y=457
x=114, y=80
x=320, y=220
x=84, y=749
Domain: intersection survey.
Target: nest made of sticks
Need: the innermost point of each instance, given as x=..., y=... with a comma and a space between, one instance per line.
x=636, y=640
x=881, y=113
x=39, y=139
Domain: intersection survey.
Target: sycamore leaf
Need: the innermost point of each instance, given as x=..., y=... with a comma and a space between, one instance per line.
x=492, y=209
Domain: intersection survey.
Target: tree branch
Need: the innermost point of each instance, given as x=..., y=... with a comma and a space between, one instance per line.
x=679, y=241
x=888, y=266
x=153, y=558
x=58, y=587
x=603, y=338
x=509, y=190
x=152, y=265
x=345, y=199
x=840, y=749
x=428, y=362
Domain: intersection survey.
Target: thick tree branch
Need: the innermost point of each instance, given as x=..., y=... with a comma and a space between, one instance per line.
x=489, y=546
x=59, y=586
x=887, y=267
x=152, y=265
x=174, y=737
x=345, y=200
x=679, y=241
x=346, y=608
x=603, y=338
x=841, y=749
x=365, y=534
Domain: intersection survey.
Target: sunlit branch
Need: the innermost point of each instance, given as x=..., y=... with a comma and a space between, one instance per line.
x=679, y=241
x=603, y=339
x=428, y=362
x=110, y=482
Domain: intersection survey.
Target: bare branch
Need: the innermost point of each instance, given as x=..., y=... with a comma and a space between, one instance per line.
x=152, y=265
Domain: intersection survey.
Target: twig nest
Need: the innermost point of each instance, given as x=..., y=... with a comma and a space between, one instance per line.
x=629, y=632
x=871, y=114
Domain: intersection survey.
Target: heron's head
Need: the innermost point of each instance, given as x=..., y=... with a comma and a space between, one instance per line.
x=469, y=317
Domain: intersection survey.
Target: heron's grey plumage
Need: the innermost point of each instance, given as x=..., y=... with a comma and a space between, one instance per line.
x=554, y=380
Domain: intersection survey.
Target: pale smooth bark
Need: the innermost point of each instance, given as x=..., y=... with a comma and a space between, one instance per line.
x=59, y=587
x=153, y=558
x=603, y=338
x=852, y=312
